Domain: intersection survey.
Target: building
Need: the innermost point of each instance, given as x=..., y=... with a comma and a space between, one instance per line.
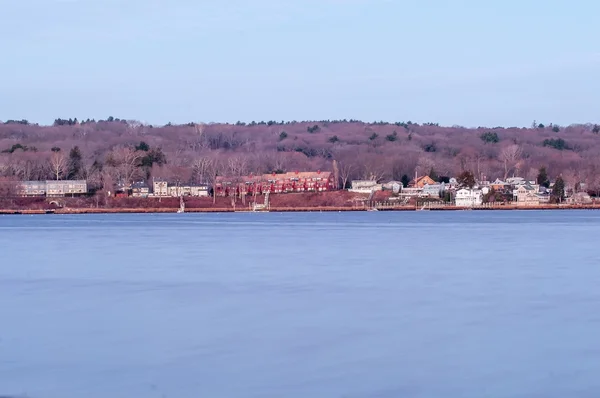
x=32, y=188
x=468, y=197
x=394, y=186
x=410, y=192
x=526, y=195
x=187, y=190
x=53, y=188
x=421, y=182
x=579, y=198
x=517, y=181
x=140, y=190
x=365, y=186
x=66, y=187
x=433, y=190
x=499, y=186
x=160, y=187
x=299, y=181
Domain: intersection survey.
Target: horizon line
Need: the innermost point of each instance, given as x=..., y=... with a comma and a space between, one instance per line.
x=273, y=122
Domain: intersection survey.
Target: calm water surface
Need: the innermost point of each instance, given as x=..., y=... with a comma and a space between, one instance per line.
x=421, y=304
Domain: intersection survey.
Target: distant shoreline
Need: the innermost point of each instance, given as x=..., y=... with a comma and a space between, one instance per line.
x=286, y=209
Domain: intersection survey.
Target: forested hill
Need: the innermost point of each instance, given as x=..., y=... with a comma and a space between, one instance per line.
x=363, y=150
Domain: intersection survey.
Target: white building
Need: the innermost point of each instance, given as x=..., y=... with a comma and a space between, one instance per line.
x=163, y=189
x=53, y=188
x=394, y=186
x=468, y=197
x=159, y=187
x=365, y=186
x=188, y=190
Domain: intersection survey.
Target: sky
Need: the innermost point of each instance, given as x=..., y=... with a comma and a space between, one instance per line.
x=460, y=62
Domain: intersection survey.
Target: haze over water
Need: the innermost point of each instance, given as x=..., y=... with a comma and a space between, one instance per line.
x=408, y=304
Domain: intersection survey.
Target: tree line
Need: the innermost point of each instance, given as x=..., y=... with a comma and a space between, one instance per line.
x=114, y=149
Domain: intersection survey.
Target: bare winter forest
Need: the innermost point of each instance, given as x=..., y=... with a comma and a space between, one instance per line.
x=109, y=151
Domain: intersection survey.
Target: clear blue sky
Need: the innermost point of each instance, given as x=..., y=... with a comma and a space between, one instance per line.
x=467, y=62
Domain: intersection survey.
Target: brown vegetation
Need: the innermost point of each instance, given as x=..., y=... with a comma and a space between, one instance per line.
x=114, y=150
x=341, y=199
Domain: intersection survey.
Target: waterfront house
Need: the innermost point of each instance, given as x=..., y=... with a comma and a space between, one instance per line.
x=452, y=183
x=32, y=188
x=516, y=181
x=526, y=195
x=365, y=186
x=579, y=198
x=394, y=186
x=66, y=187
x=499, y=186
x=468, y=197
x=162, y=188
x=411, y=192
x=140, y=190
x=433, y=190
x=543, y=197
x=421, y=182
x=159, y=187
x=187, y=190
x=53, y=188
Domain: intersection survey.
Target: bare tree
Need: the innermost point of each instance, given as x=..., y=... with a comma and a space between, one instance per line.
x=58, y=164
x=125, y=160
x=237, y=165
x=424, y=165
x=371, y=169
x=510, y=156
x=345, y=170
x=202, y=167
x=198, y=142
x=336, y=174
x=215, y=169
x=24, y=169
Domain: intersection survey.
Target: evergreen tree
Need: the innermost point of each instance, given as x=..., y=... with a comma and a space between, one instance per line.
x=466, y=179
x=405, y=180
x=558, y=191
x=433, y=175
x=142, y=146
x=542, y=178
x=75, y=163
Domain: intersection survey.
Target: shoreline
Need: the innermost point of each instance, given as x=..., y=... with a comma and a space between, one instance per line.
x=169, y=210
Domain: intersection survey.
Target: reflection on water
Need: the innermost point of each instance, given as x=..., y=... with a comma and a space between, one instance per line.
x=422, y=304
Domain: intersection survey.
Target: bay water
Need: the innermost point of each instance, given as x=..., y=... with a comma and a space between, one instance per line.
x=387, y=304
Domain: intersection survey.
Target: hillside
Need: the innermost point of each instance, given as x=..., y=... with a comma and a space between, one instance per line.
x=112, y=150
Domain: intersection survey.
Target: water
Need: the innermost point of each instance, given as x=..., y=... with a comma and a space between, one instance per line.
x=421, y=304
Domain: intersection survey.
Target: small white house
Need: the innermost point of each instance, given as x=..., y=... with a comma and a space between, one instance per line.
x=468, y=197
x=365, y=186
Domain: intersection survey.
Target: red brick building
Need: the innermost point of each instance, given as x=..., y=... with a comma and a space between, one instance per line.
x=298, y=181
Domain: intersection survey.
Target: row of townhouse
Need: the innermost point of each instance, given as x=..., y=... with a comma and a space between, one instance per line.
x=161, y=188
x=52, y=188
x=298, y=181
